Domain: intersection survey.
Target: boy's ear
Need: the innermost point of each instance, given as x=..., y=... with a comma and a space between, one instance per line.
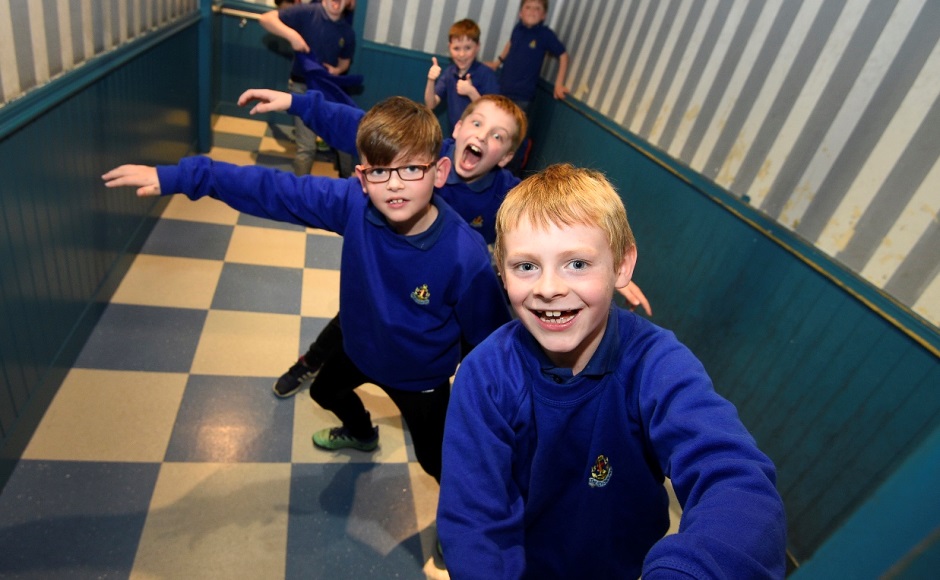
x=362, y=178
x=443, y=170
x=625, y=269
x=456, y=128
x=506, y=158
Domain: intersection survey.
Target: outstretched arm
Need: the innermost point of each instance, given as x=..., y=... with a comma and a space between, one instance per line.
x=271, y=22
x=143, y=177
x=268, y=100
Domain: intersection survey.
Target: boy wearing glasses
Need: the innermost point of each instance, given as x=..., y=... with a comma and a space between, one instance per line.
x=416, y=279
x=483, y=142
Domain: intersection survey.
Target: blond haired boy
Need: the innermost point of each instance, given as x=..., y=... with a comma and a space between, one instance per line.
x=564, y=423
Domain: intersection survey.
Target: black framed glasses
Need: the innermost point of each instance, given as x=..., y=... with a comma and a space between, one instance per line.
x=405, y=172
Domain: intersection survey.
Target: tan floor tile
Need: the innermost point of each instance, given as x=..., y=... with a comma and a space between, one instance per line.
x=235, y=156
x=309, y=417
x=205, y=209
x=320, y=294
x=246, y=344
x=169, y=281
x=325, y=233
x=211, y=520
x=324, y=168
x=100, y=415
x=279, y=147
x=267, y=247
x=238, y=125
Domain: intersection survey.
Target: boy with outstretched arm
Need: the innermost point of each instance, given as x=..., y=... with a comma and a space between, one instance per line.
x=564, y=423
x=483, y=141
x=416, y=280
x=466, y=79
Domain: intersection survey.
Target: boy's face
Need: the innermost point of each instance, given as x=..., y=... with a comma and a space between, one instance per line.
x=463, y=51
x=334, y=8
x=531, y=13
x=560, y=282
x=483, y=140
x=405, y=203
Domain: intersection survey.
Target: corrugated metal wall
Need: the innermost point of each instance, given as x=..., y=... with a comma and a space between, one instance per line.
x=824, y=114
x=65, y=241
x=41, y=39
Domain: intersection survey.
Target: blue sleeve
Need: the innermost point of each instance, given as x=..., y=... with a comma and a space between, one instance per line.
x=553, y=45
x=480, y=518
x=733, y=522
x=312, y=201
x=336, y=123
x=476, y=311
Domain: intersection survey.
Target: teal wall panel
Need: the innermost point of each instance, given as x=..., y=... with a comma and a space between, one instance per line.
x=833, y=389
x=65, y=240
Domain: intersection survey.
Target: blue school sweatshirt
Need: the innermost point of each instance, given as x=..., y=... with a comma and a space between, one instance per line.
x=549, y=475
x=405, y=301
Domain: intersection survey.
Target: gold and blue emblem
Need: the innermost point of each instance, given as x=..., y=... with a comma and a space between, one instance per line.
x=477, y=222
x=601, y=472
x=532, y=45
x=421, y=295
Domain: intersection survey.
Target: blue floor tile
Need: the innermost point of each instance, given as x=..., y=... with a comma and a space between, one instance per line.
x=310, y=328
x=186, y=239
x=144, y=338
x=235, y=141
x=259, y=222
x=74, y=520
x=375, y=501
x=324, y=252
x=251, y=288
x=213, y=405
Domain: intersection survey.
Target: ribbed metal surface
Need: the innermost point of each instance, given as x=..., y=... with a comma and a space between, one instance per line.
x=824, y=114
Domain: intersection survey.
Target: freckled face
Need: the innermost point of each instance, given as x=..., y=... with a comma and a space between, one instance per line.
x=483, y=141
x=560, y=282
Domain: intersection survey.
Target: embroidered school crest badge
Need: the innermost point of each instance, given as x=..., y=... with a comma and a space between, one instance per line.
x=342, y=42
x=477, y=222
x=421, y=295
x=532, y=45
x=601, y=472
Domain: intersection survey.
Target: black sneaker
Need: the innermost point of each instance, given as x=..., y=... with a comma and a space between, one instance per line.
x=293, y=380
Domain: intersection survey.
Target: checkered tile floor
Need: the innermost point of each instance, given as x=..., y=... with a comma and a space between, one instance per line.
x=165, y=453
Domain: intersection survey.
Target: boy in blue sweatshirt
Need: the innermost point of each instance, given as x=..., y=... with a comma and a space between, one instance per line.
x=564, y=422
x=483, y=142
x=416, y=279
x=466, y=79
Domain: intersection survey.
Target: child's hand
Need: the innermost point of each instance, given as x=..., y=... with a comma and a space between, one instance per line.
x=561, y=91
x=635, y=298
x=268, y=100
x=143, y=177
x=331, y=69
x=435, y=71
x=465, y=86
